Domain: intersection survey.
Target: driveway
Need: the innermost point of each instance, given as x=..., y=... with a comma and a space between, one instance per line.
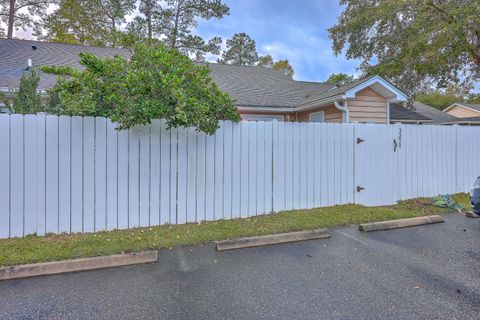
x=428, y=272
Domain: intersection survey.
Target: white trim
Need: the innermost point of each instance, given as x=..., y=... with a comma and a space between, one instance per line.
x=267, y=109
x=456, y=104
x=322, y=112
x=259, y=117
x=399, y=95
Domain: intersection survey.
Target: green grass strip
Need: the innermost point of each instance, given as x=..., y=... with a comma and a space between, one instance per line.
x=33, y=248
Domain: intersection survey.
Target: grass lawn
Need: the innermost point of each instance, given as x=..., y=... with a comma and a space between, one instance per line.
x=58, y=247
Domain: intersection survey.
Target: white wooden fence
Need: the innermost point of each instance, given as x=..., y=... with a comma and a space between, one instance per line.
x=74, y=174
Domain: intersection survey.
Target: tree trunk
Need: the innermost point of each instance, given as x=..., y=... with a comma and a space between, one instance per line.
x=114, y=29
x=149, y=20
x=11, y=19
x=476, y=57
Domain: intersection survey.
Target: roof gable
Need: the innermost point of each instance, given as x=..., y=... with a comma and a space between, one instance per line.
x=377, y=83
x=471, y=106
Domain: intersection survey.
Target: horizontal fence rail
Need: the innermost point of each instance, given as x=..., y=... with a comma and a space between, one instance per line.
x=64, y=174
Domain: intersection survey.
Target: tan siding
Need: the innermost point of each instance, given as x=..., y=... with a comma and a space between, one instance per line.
x=461, y=112
x=332, y=114
x=368, y=106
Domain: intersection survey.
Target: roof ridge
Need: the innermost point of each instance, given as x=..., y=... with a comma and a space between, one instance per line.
x=61, y=43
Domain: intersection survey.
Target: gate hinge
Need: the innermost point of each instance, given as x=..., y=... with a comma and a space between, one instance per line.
x=359, y=140
x=360, y=188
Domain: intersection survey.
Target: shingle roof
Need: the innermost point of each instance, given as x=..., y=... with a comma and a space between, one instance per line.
x=400, y=113
x=334, y=90
x=249, y=86
x=259, y=86
x=14, y=55
x=436, y=115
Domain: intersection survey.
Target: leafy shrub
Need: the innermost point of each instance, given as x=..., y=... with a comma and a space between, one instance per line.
x=154, y=83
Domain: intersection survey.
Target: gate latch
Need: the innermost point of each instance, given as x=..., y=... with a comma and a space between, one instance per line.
x=360, y=188
x=360, y=140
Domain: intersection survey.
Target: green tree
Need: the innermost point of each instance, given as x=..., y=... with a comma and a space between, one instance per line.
x=265, y=61
x=414, y=43
x=172, y=22
x=437, y=99
x=441, y=99
x=241, y=51
x=340, y=79
x=178, y=17
x=156, y=82
x=113, y=14
x=142, y=26
x=26, y=99
x=86, y=22
x=21, y=13
x=280, y=65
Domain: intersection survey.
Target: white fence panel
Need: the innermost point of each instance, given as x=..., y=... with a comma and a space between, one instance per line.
x=5, y=180
x=76, y=181
x=64, y=173
x=16, y=176
x=30, y=167
x=155, y=178
x=112, y=176
x=100, y=215
x=75, y=174
x=51, y=174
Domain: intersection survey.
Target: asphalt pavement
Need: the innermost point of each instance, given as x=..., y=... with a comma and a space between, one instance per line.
x=426, y=272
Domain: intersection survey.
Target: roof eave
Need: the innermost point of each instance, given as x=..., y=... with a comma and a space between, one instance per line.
x=265, y=109
x=320, y=102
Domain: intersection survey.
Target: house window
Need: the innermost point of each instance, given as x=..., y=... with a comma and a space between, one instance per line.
x=258, y=117
x=317, y=116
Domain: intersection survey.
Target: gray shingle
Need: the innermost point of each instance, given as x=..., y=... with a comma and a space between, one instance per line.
x=14, y=55
x=259, y=86
x=400, y=113
x=436, y=115
x=249, y=86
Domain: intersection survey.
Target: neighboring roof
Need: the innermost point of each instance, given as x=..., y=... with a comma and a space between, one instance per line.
x=436, y=115
x=472, y=106
x=400, y=113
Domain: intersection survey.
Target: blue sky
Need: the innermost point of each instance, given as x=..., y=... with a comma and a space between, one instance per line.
x=286, y=29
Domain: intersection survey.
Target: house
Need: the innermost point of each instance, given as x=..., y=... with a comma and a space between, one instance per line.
x=463, y=110
x=259, y=93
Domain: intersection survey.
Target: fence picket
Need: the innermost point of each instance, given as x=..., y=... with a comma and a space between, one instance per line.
x=30, y=127
x=52, y=188
x=5, y=181
x=64, y=170
x=17, y=177
x=100, y=174
x=112, y=176
x=76, y=181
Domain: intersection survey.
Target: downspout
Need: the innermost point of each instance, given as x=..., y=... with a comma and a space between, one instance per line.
x=344, y=108
x=388, y=113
